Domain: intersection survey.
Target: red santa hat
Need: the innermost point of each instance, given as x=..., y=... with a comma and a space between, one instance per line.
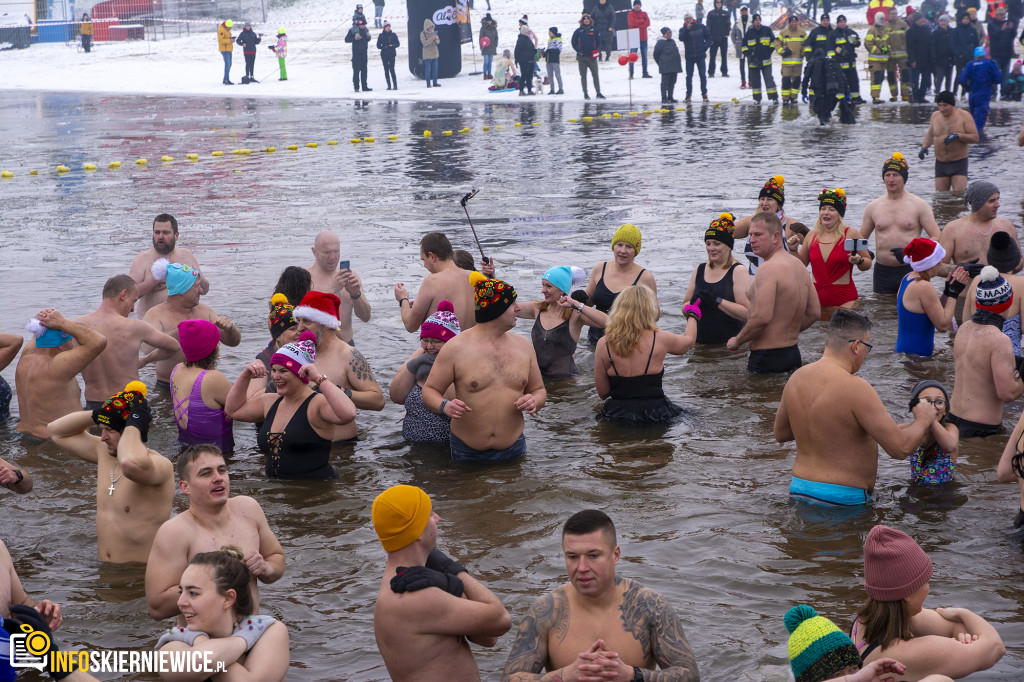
x=319, y=307
x=922, y=254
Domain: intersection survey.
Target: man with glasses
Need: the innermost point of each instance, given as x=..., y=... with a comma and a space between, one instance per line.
x=838, y=421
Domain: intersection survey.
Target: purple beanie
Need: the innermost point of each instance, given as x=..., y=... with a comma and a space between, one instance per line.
x=442, y=325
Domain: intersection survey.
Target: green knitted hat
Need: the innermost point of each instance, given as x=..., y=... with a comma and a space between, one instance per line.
x=817, y=648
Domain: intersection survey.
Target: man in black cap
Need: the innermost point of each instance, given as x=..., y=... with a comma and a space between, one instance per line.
x=718, y=24
x=844, y=42
x=757, y=47
x=819, y=36
x=951, y=129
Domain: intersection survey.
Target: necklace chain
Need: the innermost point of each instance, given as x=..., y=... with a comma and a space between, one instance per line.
x=112, y=479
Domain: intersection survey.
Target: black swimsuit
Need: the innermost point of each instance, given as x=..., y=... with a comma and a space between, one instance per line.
x=298, y=451
x=554, y=348
x=715, y=326
x=638, y=399
x=603, y=298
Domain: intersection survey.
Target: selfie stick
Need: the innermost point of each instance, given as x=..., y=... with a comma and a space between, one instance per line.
x=464, y=201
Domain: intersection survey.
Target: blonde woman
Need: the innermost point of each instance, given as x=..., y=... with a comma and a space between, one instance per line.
x=629, y=359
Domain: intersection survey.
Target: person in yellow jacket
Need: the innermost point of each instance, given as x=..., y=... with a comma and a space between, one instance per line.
x=226, y=44
x=898, y=54
x=877, y=44
x=790, y=44
x=86, y=31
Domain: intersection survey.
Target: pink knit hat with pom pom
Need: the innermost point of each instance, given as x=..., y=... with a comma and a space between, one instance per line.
x=441, y=325
x=293, y=356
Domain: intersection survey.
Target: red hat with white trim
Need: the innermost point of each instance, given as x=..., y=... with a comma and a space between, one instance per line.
x=922, y=254
x=319, y=307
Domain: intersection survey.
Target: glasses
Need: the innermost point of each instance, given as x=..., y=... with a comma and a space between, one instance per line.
x=935, y=402
x=866, y=344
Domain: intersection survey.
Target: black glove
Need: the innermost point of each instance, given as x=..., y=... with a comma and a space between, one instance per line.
x=704, y=295
x=953, y=288
x=439, y=561
x=952, y=137
x=898, y=252
x=270, y=47
x=416, y=578
x=140, y=417
x=922, y=152
x=26, y=615
x=787, y=52
x=580, y=296
x=972, y=267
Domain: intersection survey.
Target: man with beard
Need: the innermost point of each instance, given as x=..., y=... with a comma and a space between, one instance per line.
x=213, y=519
x=967, y=238
x=165, y=238
x=129, y=511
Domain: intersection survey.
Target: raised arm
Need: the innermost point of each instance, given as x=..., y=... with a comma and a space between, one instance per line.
x=897, y=442
x=140, y=272
x=229, y=334
x=139, y=463
x=941, y=651
x=414, y=312
x=90, y=344
x=164, y=345
x=71, y=433
x=336, y=408
x=360, y=304
x=238, y=405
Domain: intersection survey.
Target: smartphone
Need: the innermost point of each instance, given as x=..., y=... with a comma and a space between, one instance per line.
x=347, y=265
x=852, y=245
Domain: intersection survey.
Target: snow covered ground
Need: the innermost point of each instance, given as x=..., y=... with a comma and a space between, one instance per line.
x=319, y=61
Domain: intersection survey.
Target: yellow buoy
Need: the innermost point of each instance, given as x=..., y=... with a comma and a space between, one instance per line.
x=332, y=142
x=356, y=140
x=33, y=172
x=216, y=153
x=486, y=128
x=680, y=108
x=536, y=123
x=115, y=164
x=392, y=137
x=518, y=124
x=141, y=162
x=89, y=166
x=242, y=152
x=446, y=132
x=312, y=145
x=270, y=150
x=499, y=127
x=6, y=175
x=165, y=159
x=616, y=115
x=427, y=133
x=369, y=139
x=293, y=147
x=588, y=119
x=192, y=157
x=735, y=101
x=573, y=120
x=717, y=104
x=237, y=171
x=634, y=113
x=464, y=130
x=606, y=115
x=647, y=112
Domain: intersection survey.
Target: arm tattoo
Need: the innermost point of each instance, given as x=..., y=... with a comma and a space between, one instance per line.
x=548, y=615
x=654, y=623
x=360, y=367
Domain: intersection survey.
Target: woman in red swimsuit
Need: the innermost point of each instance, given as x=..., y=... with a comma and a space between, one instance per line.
x=831, y=262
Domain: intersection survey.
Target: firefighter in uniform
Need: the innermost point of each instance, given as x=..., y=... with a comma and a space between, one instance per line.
x=877, y=43
x=819, y=37
x=844, y=42
x=790, y=44
x=898, y=55
x=757, y=46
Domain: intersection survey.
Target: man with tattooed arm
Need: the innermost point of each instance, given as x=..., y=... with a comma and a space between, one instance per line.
x=599, y=627
x=342, y=364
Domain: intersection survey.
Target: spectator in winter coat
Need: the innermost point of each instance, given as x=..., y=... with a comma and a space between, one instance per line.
x=359, y=36
x=670, y=64
x=1001, y=38
x=525, y=53
x=1016, y=84
x=225, y=44
x=603, y=16
x=378, y=12
x=281, y=51
x=638, y=18
x=942, y=55
x=718, y=26
x=587, y=43
x=979, y=77
x=358, y=14
x=964, y=40
x=553, y=57
x=86, y=32
x=919, y=56
x=388, y=44
x=488, y=43
x=248, y=39
x=696, y=39
x=429, y=40
x=739, y=30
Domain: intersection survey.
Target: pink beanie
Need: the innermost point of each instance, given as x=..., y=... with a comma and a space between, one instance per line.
x=442, y=325
x=292, y=356
x=894, y=565
x=198, y=339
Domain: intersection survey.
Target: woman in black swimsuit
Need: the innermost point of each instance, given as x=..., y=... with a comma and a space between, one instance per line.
x=1011, y=466
x=606, y=282
x=559, y=321
x=297, y=422
x=721, y=285
x=893, y=622
x=629, y=360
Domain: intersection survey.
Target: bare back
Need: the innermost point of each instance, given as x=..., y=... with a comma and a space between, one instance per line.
x=451, y=285
x=43, y=395
x=896, y=222
x=119, y=362
x=982, y=359
x=785, y=279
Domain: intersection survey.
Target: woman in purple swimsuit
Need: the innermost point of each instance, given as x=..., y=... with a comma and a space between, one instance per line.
x=198, y=391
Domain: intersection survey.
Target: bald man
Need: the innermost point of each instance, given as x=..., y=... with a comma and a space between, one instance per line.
x=342, y=282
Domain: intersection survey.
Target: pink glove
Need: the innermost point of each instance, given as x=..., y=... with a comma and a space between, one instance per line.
x=692, y=309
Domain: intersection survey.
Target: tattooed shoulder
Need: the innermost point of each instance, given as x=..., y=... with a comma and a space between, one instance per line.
x=649, y=617
x=360, y=367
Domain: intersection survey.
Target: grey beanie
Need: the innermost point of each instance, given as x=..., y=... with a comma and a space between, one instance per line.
x=978, y=193
x=928, y=383
x=1003, y=252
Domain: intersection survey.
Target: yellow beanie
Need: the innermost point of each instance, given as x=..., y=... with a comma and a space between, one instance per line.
x=629, y=234
x=400, y=514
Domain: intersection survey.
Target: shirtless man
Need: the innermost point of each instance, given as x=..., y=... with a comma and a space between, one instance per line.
x=345, y=284
x=968, y=238
x=951, y=129
x=984, y=376
x=783, y=302
x=45, y=377
x=211, y=521
x=598, y=626
x=153, y=291
x=121, y=361
x=342, y=364
x=496, y=376
x=837, y=440
x=15, y=478
x=183, y=290
x=134, y=485
x=896, y=217
x=446, y=282
x=428, y=607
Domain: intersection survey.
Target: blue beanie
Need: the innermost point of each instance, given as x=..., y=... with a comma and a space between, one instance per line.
x=979, y=51
x=564, y=276
x=180, y=278
x=46, y=337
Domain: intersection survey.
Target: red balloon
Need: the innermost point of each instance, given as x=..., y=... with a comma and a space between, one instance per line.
x=623, y=60
x=485, y=41
x=633, y=57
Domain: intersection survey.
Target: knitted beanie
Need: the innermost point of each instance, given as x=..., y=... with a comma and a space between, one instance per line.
x=493, y=297
x=894, y=565
x=721, y=229
x=562, y=277
x=281, y=318
x=928, y=383
x=627, y=233
x=293, y=356
x=114, y=411
x=442, y=324
x=774, y=189
x=319, y=307
x=400, y=514
x=994, y=293
x=179, y=277
x=978, y=192
x=198, y=339
x=46, y=337
x=836, y=198
x=923, y=253
x=896, y=163
x=817, y=648
x=1003, y=252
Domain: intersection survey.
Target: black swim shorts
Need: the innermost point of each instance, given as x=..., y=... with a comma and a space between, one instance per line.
x=969, y=429
x=886, y=278
x=774, y=360
x=947, y=169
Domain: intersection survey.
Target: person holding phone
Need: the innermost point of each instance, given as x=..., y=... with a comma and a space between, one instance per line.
x=332, y=275
x=832, y=252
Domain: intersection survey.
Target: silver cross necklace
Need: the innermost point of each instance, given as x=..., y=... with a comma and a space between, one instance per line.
x=112, y=479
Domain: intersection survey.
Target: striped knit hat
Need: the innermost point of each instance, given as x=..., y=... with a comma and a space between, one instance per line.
x=994, y=293
x=817, y=648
